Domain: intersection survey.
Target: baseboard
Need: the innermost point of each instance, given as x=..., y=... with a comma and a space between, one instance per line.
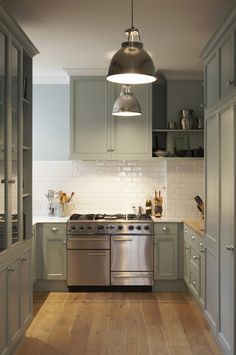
x=50, y=285
x=169, y=285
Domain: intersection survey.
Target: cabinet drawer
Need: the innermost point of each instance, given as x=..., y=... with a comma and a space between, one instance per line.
x=57, y=228
x=195, y=258
x=194, y=282
x=165, y=228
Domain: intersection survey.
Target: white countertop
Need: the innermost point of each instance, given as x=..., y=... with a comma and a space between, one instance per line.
x=49, y=219
x=167, y=219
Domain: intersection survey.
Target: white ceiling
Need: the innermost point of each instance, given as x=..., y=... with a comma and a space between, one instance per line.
x=83, y=34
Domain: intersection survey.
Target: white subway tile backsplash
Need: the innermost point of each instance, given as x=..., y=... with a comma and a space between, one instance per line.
x=116, y=186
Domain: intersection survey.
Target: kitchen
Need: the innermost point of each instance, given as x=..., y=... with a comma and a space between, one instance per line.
x=113, y=167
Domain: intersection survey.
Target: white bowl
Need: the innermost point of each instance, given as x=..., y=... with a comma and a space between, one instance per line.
x=160, y=153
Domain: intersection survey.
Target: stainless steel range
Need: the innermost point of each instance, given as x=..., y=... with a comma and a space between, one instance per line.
x=107, y=250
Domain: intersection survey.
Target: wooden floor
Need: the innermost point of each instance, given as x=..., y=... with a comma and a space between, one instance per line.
x=117, y=324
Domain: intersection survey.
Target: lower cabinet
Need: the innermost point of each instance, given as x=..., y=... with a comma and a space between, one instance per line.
x=15, y=299
x=54, y=251
x=194, y=264
x=165, y=251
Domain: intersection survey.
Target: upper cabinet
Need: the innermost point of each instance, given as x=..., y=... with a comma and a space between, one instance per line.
x=219, y=65
x=15, y=133
x=95, y=133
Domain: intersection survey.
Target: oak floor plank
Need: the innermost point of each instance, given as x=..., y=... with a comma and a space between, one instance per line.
x=117, y=323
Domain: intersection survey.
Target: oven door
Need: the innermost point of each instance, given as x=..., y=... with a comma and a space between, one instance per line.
x=88, y=267
x=132, y=253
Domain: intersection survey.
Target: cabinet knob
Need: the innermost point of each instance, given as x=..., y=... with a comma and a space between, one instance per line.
x=11, y=269
x=230, y=83
x=54, y=229
x=194, y=283
x=202, y=251
x=112, y=150
x=164, y=229
x=230, y=247
x=109, y=150
x=201, y=244
x=2, y=181
x=185, y=231
x=196, y=257
x=193, y=237
x=64, y=242
x=187, y=248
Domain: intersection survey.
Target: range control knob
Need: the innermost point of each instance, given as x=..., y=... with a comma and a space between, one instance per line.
x=146, y=227
x=89, y=228
x=138, y=228
x=130, y=227
x=120, y=227
x=72, y=228
x=100, y=227
x=81, y=228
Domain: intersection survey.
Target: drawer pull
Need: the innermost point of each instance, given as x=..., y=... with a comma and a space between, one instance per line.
x=123, y=239
x=97, y=254
x=229, y=247
x=54, y=229
x=194, y=283
x=132, y=276
x=202, y=251
x=187, y=248
x=11, y=181
x=196, y=257
x=164, y=229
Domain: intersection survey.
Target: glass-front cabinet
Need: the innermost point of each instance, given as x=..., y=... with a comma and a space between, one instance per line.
x=15, y=142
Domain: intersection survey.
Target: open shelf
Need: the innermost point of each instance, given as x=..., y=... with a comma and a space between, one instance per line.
x=179, y=130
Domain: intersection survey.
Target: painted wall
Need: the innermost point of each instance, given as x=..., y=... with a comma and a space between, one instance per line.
x=50, y=122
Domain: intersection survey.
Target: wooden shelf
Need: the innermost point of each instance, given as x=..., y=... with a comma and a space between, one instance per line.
x=179, y=130
x=25, y=195
x=25, y=147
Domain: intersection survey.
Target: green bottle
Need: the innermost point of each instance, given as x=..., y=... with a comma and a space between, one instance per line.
x=148, y=207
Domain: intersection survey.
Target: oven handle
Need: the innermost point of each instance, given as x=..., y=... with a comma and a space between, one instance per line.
x=97, y=254
x=132, y=277
x=98, y=239
x=123, y=239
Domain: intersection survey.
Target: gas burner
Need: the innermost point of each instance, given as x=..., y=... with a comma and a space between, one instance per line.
x=82, y=217
x=110, y=217
x=139, y=217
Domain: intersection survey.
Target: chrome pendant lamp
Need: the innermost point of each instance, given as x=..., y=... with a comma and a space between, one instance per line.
x=131, y=64
x=126, y=104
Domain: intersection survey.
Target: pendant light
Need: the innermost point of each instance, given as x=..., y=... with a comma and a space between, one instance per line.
x=126, y=104
x=131, y=64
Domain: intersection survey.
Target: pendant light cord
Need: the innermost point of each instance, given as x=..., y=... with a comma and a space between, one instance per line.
x=132, y=14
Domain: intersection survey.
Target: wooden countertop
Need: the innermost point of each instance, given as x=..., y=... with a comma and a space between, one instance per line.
x=196, y=224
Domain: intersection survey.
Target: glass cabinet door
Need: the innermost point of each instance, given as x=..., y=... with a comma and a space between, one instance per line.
x=14, y=179
x=3, y=234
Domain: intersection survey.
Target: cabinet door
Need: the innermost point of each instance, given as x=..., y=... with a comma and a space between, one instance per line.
x=54, y=255
x=226, y=65
x=33, y=255
x=165, y=257
x=4, y=300
x=211, y=80
x=186, y=262
x=14, y=300
x=227, y=229
x=26, y=287
x=212, y=216
x=131, y=136
x=89, y=118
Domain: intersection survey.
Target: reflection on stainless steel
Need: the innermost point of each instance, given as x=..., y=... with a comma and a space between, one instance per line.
x=89, y=251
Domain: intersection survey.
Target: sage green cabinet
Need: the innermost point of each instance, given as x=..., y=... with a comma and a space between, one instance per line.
x=54, y=251
x=4, y=300
x=95, y=133
x=219, y=63
x=15, y=299
x=165, y=251
x=194, y=264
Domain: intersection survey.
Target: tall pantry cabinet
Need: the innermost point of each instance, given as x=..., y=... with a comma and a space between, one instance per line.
x=16, y=52
x=220, y=119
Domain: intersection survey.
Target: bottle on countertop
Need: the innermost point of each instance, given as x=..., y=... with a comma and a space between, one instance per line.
x=148, y=206
x=158, y=201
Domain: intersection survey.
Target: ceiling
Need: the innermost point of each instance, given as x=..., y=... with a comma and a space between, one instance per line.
x=83, y=34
